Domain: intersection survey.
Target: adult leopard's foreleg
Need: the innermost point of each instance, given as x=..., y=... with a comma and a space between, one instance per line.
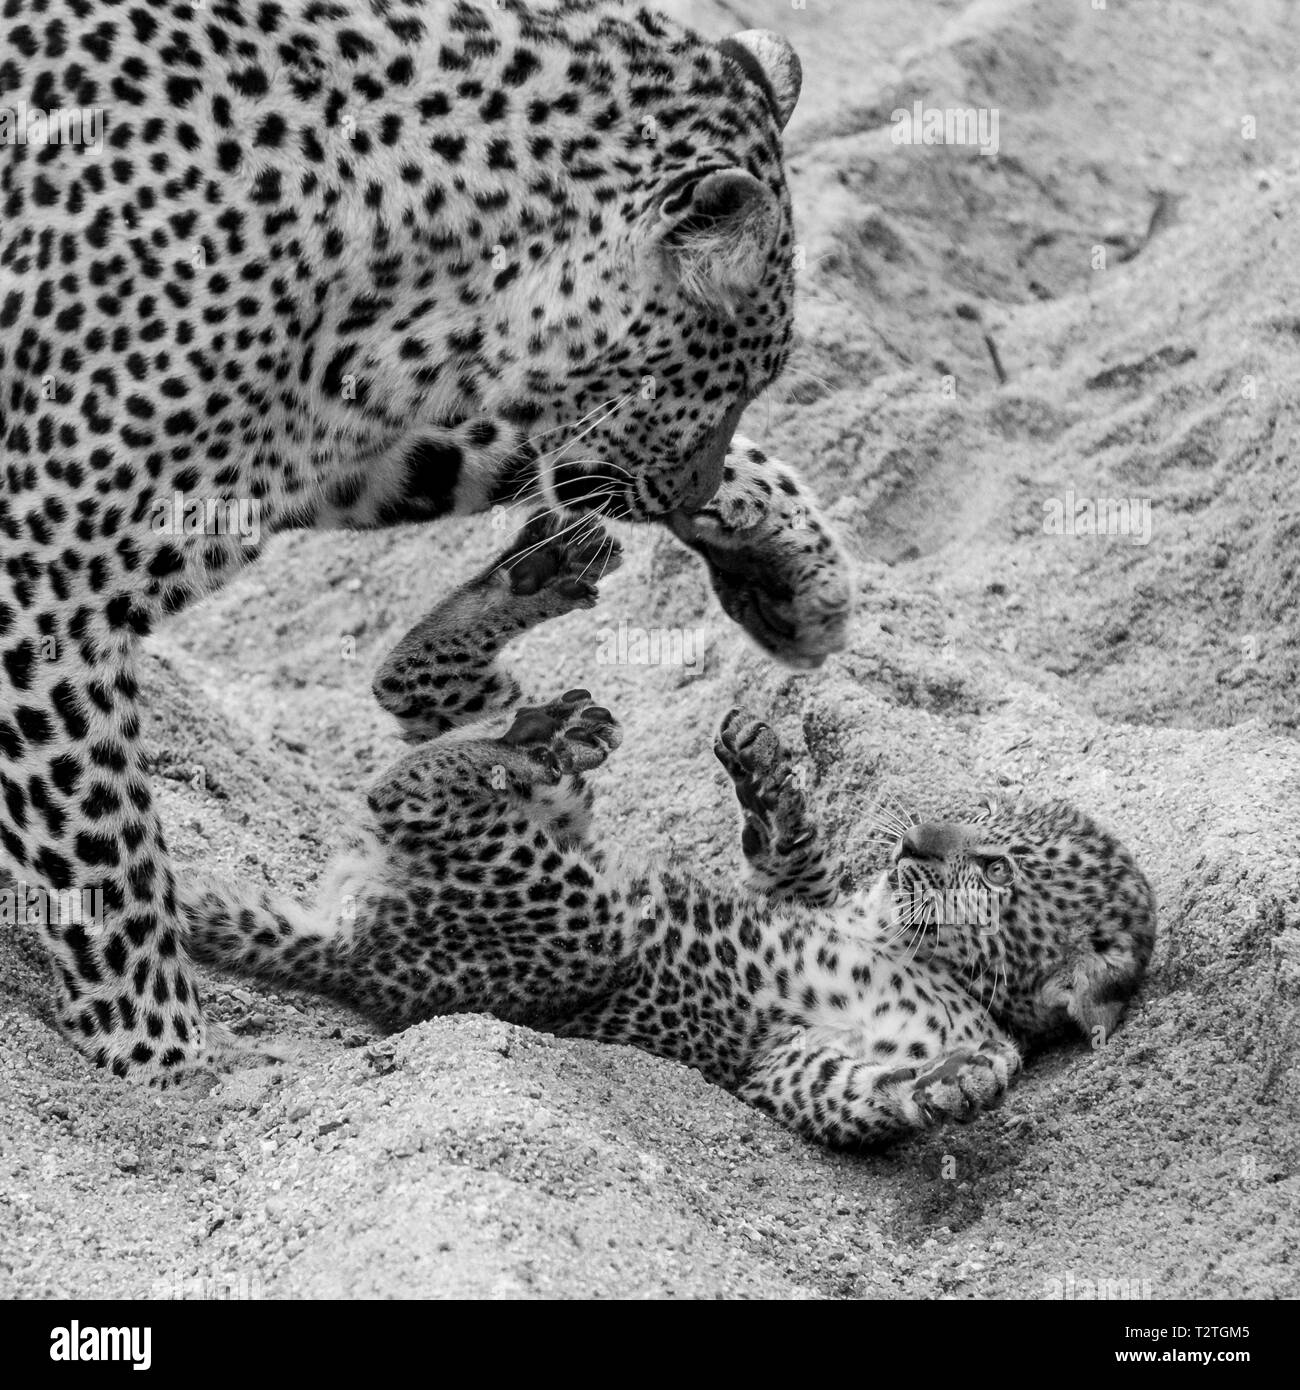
x=79, y=833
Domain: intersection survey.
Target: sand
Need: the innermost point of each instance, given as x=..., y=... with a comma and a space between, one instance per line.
x=1135, y=262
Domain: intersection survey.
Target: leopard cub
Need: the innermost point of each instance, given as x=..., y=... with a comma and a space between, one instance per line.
x=477, y=886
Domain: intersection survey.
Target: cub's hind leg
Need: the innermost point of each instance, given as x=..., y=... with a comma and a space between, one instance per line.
x=487, y=898
x=469, y=893
x=785, y=855
x=452, y=824
x=444, y=671
x=443, y=790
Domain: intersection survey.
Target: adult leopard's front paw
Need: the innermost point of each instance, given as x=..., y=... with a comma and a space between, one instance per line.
x=773, y=562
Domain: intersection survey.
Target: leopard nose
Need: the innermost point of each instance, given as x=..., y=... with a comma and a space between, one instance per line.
x=934, y=840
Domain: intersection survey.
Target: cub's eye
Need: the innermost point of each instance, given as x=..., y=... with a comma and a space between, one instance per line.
x=998, y=872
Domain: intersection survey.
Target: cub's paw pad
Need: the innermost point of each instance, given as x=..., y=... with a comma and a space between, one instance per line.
x=746, y=746
x=551, y=554
x=959, y=1087
x=549, y=767
x=769, y=785
x=593, y=555
x=541, y=723
x=591, y=740
x=576, y=734
x=530, y=726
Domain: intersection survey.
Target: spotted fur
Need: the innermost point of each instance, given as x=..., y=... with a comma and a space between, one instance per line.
x=474, y=885
x=351, y=264
x=772, y=558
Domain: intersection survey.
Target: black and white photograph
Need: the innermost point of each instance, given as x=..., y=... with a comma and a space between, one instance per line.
x=649, y=652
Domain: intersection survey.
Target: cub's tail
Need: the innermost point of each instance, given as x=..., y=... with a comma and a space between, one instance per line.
x=255, y=931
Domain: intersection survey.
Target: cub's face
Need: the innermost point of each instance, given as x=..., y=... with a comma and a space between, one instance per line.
x=672, y=307
x=1039, y=912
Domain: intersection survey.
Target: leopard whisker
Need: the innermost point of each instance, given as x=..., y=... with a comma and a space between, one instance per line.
x=515, y=558
x=559, y=508
x=552, y=455
x=583, y=538
x=567, y=424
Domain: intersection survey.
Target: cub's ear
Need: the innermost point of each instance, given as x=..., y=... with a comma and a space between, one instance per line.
x=717, y=234
x=768, y=60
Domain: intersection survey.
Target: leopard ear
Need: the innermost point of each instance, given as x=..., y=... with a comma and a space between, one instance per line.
x=717, y=233
x=768, y=60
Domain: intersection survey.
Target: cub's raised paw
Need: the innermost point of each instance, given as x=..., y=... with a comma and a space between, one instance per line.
x=570, y=734
x=768, y=785
x=559, y=561
x=772, y=560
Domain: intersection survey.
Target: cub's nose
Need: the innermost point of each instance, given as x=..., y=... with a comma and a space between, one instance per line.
x=934, y=840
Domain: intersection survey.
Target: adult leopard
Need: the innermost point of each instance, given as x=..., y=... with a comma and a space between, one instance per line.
x=348, y=264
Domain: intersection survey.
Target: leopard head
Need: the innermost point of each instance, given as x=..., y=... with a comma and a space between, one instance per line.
x=1041, y=914
x=653, y=299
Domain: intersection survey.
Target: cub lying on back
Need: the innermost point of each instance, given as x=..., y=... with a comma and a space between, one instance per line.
x=853, y=1020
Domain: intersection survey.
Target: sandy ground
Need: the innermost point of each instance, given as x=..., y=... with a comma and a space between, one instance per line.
x=1154, y=683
